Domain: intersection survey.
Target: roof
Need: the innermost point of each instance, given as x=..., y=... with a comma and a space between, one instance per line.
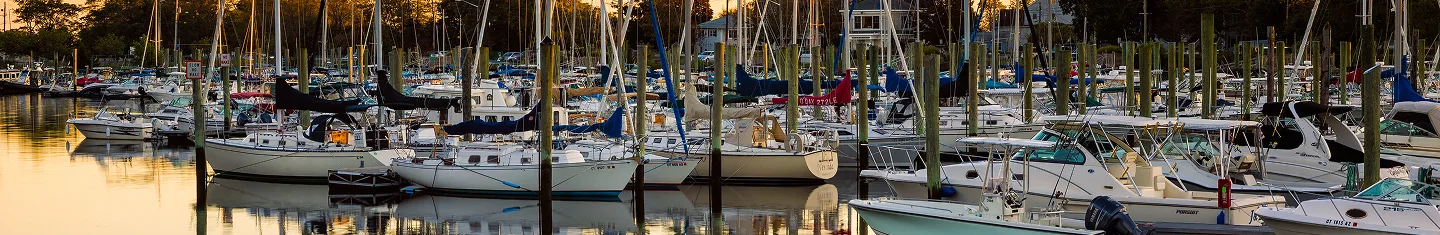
x=1011, y=142
x=896, y=5
x=718, y=23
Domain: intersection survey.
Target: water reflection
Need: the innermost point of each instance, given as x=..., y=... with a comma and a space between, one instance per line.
x=142, y=188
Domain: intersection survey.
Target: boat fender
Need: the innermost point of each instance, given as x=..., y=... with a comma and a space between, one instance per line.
x=947, y=191
x=512, y=185
x=1107, y=215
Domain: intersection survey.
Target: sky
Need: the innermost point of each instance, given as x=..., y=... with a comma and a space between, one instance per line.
x=717, y=5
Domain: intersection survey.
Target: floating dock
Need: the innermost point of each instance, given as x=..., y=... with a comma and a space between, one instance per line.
x=370, y=179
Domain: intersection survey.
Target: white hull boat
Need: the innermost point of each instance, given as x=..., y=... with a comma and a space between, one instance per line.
x=931, y=217
x=580, y=179
x=110, y=127
x=287, y=155
x=1392, y=206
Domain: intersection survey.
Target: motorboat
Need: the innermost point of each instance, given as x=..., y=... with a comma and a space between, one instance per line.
x=105, y=125
x=1391, y=206
x=999, y=211
x=1194, y=151
x=1080, y=168
x=1297, y=150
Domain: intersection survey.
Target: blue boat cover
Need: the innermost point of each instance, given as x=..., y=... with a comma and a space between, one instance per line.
x=529, y=122
x=1403, y=90
x=749, y=86
x=612, y=127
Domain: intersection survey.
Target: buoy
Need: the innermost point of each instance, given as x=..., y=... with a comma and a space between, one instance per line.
x=947, y=191
x=512, y=185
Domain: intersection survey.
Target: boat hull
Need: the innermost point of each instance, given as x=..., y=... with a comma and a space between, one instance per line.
x=663, y=173
x=233, y=156
x=1302, y=225
x=1140, y=208
x=769, y=167
x=585, y=179
x=890, y=220
x=107, y=130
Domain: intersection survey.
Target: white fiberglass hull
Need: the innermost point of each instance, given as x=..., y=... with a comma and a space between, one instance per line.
x=1285, y=222
x=111, y=130
x=583, y=179
x=767, y=166
x=1146, y=209
x=234, y=156
x=663, y=173
x=924, y=217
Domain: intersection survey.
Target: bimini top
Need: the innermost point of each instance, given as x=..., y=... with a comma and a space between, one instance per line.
x=1007, y=142
x=1115, y=120
x=1211, y=124
x=1301, y=109
x=1110, y=120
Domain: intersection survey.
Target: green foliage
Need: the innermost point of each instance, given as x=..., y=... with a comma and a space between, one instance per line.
x=110, y=44
x=48, y=14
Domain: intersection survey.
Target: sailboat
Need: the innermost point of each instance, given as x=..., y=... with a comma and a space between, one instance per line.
x=509, y=168
x=308, y=156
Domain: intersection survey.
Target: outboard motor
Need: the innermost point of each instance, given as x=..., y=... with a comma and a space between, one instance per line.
x=1105, y=214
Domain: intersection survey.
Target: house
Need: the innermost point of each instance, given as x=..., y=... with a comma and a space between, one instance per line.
x=713, y=31
x=1007, y=29
x=869, y=24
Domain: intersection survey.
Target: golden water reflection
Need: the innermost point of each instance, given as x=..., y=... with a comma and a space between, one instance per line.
x=52, y=181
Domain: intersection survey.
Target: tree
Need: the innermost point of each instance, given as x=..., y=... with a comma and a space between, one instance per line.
x=48, y=14
x=671, y=18
x=110, y=44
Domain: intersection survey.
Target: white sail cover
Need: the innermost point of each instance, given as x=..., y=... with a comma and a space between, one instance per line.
x=694, y=110
x=1430, y=109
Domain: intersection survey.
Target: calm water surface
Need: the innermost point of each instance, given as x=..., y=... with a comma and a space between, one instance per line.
x=53, y=181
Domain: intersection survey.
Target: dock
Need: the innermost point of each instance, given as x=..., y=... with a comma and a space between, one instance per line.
x=369, y=179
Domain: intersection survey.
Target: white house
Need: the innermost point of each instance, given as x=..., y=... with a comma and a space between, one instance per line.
x=712, y=31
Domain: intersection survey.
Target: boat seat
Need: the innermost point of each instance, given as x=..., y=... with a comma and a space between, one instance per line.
x=1120, y=169
x=1246, y=161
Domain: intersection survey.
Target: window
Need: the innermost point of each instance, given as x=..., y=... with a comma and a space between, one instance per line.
x=492, y=159
x=525, y=160
x=843, y=133
x=672, y=141
x=1392, y=127
x=489, y=97
x=1400, y=190
x=657, y=141
x=473, y=159
x=490, y=118
x=507, y=118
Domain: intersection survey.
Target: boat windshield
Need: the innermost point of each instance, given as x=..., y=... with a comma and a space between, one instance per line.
x=1403, y=190
x=1068, y=153
x=1189, y=145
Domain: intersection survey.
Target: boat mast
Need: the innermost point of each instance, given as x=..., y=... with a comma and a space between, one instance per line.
x=279, y=71
x=379, y=39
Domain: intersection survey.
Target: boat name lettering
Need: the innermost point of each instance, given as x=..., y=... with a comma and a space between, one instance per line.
x=1187, y=212
x=602, y=167
x=1393, y=208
